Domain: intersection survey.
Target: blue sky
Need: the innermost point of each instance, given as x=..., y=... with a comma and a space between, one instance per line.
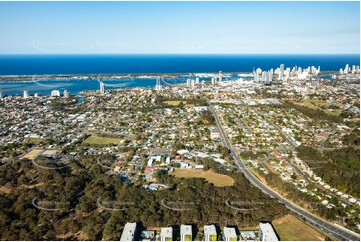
x=179, y=27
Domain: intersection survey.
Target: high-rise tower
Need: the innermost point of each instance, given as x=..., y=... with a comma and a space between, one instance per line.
x=102, y=89
x=26, y=94
x=280, y=74
x=158, y=86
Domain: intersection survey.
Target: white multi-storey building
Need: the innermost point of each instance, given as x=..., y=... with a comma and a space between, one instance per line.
x=186, y=232
x=166, y=234
x=267, y=233
x=129, y=232
x=66, y=94
x=280, y=74
x=55, y=93
x=158, y=86
x=26, y=94
x=102, y=89
x=210, y=233
x=229, y=234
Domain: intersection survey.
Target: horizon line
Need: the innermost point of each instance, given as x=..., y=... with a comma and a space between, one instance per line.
x=179, y=53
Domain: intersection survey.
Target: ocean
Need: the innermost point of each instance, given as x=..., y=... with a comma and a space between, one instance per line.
x=135, y=64
x=120, y=64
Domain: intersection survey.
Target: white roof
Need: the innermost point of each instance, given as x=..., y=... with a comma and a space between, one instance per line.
x=268, y=232
x=209, y=230
x=128, y=232
x=166, y=232
x=186, y=229
x=229, y=232
x=182, y=152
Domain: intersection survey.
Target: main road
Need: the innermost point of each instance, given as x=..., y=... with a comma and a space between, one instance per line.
x=333, y=230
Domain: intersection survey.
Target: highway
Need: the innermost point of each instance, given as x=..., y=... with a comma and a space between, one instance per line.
x=334, y=231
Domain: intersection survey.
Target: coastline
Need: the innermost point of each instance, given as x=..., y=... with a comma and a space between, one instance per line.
x=65, y=77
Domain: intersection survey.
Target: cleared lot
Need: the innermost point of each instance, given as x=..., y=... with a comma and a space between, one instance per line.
x=32, y=154
x=292, y=229
x=176, y=103
x=50, y=152
x=219, y=180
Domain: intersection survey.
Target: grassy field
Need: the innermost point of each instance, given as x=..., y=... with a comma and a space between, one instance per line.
x=313, y=103
x=292, y=229
x=96, y=140
x=176, y=103
x=316, y=104
x=32, y=154
x=219, y=180
x=34, y=140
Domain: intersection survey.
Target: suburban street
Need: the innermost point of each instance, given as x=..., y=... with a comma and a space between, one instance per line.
x=328, y=228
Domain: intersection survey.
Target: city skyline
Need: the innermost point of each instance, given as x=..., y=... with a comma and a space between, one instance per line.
x=180, y=27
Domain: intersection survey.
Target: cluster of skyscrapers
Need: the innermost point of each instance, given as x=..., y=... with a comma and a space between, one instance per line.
x=218, y=79
x=353, y=70
x=194, y=83
x=263, y=76
x=266, y=77
x=54, y=93
x=302, y=74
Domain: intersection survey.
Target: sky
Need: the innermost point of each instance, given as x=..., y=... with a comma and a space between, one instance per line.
x=179, y=27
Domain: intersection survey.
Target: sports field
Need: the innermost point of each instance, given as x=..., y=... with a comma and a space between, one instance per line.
x=219, y=180
x=292, y=229
x=97, y=140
